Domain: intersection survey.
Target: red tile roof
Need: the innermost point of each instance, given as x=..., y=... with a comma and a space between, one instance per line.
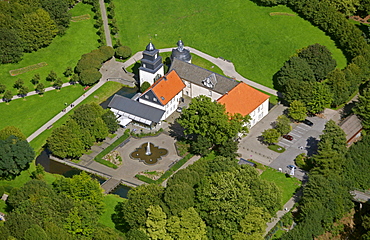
x=167, y=87
x=242, y=99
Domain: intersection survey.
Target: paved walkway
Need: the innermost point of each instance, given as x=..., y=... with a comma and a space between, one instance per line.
x=287, y=207
x=67, y=109
x=105, y=23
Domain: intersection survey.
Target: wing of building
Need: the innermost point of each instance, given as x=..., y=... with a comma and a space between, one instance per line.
x=246, y=100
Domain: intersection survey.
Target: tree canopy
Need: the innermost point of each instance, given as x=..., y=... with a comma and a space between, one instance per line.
x=15, y=155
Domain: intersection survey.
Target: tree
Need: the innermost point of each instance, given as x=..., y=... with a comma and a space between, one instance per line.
x=184, y=176
x=296, y=69
x=156, y=223
x=74, y=79
x=8, y=96
x=35, y=232
x=82, y=188
x=347, y=7
x=321, y=98
x=209, y=119
x=86, y=115
x=228, y=149
x=11, y=131
x=283, y=125
x=23, y=91
x=37, y=30
x=15, y=155
x=136, y=234
x=179, y=197
x=319, y=59
x=133, y=211
x=40, y=88
x=110, y=120
x=68, y=72
x=63, y=142
x=271, y=136
x=144, y=86
x=52, y=76
x=107, y=53
x=2, y=88
x=297, y=110
x=188, y=225
x=58, y=11
x=253, y=225
x=201, y=146
x=295, y=90
x=99, y=129
x=58, y=83
x=18, y=84
x=89, y=77
x=11, y=46
x=81, y=220
x=339, y=86
x=362, y=108
x=35, y=79
x=123, y=52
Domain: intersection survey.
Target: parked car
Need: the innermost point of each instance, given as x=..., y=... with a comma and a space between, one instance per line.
x=179, y=109
x=308, y=122
x=288, y=137
x=291, y=166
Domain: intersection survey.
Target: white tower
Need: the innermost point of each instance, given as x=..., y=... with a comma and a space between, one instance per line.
x=151, y=65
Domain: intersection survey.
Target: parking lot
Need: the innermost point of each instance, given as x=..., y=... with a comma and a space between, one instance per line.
x=305, y=139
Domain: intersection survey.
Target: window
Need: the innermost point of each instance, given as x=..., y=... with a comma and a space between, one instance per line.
x=146, y=96
x=154, y=99
x=144, y=65
x=210, y=93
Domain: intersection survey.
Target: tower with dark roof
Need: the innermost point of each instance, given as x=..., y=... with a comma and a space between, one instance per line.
x=181, y=53
x=151, y=65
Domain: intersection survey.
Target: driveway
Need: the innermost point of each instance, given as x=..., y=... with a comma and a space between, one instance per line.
x=305, y=141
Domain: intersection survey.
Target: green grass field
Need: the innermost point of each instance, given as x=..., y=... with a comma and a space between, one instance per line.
x=110, y=201
x=239, y=30
x=99, y=96
x=64, y=51
x=287, y=185
x=33, y=112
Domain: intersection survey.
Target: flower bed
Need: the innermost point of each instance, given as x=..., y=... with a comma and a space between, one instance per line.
x=18, y=71
x=80, y=18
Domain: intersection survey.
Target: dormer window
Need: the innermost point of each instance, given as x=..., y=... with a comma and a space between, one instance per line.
x=210, y=81
x=162, y=98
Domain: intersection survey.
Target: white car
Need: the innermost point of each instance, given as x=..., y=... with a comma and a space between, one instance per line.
x=179, y=109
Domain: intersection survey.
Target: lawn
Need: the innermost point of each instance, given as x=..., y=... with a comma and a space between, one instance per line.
x=99, y=96
x=34, y=111
x=287, y=185
x=64, y=51
x=256, y=42
x=110, y=201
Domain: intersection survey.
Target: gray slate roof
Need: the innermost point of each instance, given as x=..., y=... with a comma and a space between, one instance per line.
x=136, y=108
x=196, y=75
x=351, y=126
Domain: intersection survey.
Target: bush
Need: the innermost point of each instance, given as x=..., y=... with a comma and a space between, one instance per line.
x=90, y=76
x=123, y=52
x=144, y=86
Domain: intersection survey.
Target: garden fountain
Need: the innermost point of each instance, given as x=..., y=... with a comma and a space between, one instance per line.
x=148, y=153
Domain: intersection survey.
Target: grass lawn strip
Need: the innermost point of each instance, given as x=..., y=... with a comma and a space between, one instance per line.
x=258, y=44
x=110, y=201
x=63, y=52
x=287, y=185
x=18, y=71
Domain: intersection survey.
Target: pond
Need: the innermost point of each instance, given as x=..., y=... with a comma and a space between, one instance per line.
x=125, y=92
x=54, y=167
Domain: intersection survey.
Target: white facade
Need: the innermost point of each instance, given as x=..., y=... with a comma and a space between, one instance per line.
x=192, y=90
x=260, y=112
x=149, y=77
x=169, y=108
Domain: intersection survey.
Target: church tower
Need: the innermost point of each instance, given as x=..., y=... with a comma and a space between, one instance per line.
x=151, y=65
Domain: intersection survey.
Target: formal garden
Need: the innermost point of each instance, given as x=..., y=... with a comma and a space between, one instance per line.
x=257, y=39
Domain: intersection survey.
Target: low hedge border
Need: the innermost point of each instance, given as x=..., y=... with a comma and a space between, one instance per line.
x=99, y=157
x=168, y=173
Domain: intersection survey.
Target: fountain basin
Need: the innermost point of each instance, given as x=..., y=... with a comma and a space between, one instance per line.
x=148, y=153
